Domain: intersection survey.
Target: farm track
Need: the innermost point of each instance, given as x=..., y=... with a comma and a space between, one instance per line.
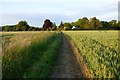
x=67, y=66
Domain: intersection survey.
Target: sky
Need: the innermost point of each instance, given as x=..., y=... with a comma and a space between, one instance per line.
x=36, y=11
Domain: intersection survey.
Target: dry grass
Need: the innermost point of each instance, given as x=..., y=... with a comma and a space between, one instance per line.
x=22, y=50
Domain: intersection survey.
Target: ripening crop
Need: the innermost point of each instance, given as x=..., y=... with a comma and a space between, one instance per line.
x=99, y=50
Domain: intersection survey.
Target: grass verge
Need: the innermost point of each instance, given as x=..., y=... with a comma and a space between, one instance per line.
x=33, y=61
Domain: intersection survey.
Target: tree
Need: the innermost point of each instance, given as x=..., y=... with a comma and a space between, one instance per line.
x=105, y=25
x=118, y=25
x=30, y=28
x=61, y=24
x=33, y=29
x=60, y=27
x=81, y=23
x=95, y=23
x=54, y=27
x=67, y=25
x=22, y=25
x=37, y=29
x=47, y=24
x=0, y=28
x=23, y=28
x=9, y=28
x=5, y=28
x=113, y=24
x=84, y=23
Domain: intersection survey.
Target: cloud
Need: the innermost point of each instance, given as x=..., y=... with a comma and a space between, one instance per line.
x=42, y=1
x=33, y=19
x=108, y=16
x=84, y=1
x=35, y=11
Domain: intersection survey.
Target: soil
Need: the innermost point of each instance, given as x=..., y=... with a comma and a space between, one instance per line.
x=68, y=65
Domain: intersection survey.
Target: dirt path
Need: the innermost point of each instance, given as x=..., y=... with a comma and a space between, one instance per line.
x=67, y=66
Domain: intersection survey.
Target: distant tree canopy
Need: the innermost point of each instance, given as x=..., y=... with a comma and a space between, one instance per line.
x=92, y=24
x=21, y=26
x=9, y=28
x=48, y=25
x=80, y=24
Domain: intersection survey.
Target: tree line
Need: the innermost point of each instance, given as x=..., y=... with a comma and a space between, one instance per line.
x=80, y=24
x=90, y=24
x=21, y=26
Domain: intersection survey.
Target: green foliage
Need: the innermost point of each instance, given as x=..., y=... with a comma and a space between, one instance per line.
x=9, y=28
x=54, y=26
x=113, y=24
x=32, y=61
x=61, y=24
x=21, y=26
x=68, y=25
x=118, y=26
x=92, y=24
x=99, y=50
x=95, y=23
x=80, y=24
x=43, y=67
x=6, y=39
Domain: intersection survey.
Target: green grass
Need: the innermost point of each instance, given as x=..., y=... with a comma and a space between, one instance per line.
x=42, y=68
x=0, y=55
x=32, y=54
x=32, y=57
x=99, y=50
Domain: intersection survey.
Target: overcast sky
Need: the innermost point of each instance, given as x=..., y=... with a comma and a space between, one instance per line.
x=36, y=11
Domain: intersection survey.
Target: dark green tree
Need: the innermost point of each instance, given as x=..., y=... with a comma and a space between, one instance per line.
x=105, y=25
x=95, y=23
x=67, y=25
x=118, y=25
x=54, y=27
x=22, y=26
x=5, y=28
x=113, y=24
x=61, y=24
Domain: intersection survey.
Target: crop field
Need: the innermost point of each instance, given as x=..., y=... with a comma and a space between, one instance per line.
x=34, y=54
x=29, y=54
x=99, y=50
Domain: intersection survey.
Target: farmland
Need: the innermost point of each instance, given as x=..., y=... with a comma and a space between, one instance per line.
x=29, y=54
x=33, y=54
x=99, y=50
